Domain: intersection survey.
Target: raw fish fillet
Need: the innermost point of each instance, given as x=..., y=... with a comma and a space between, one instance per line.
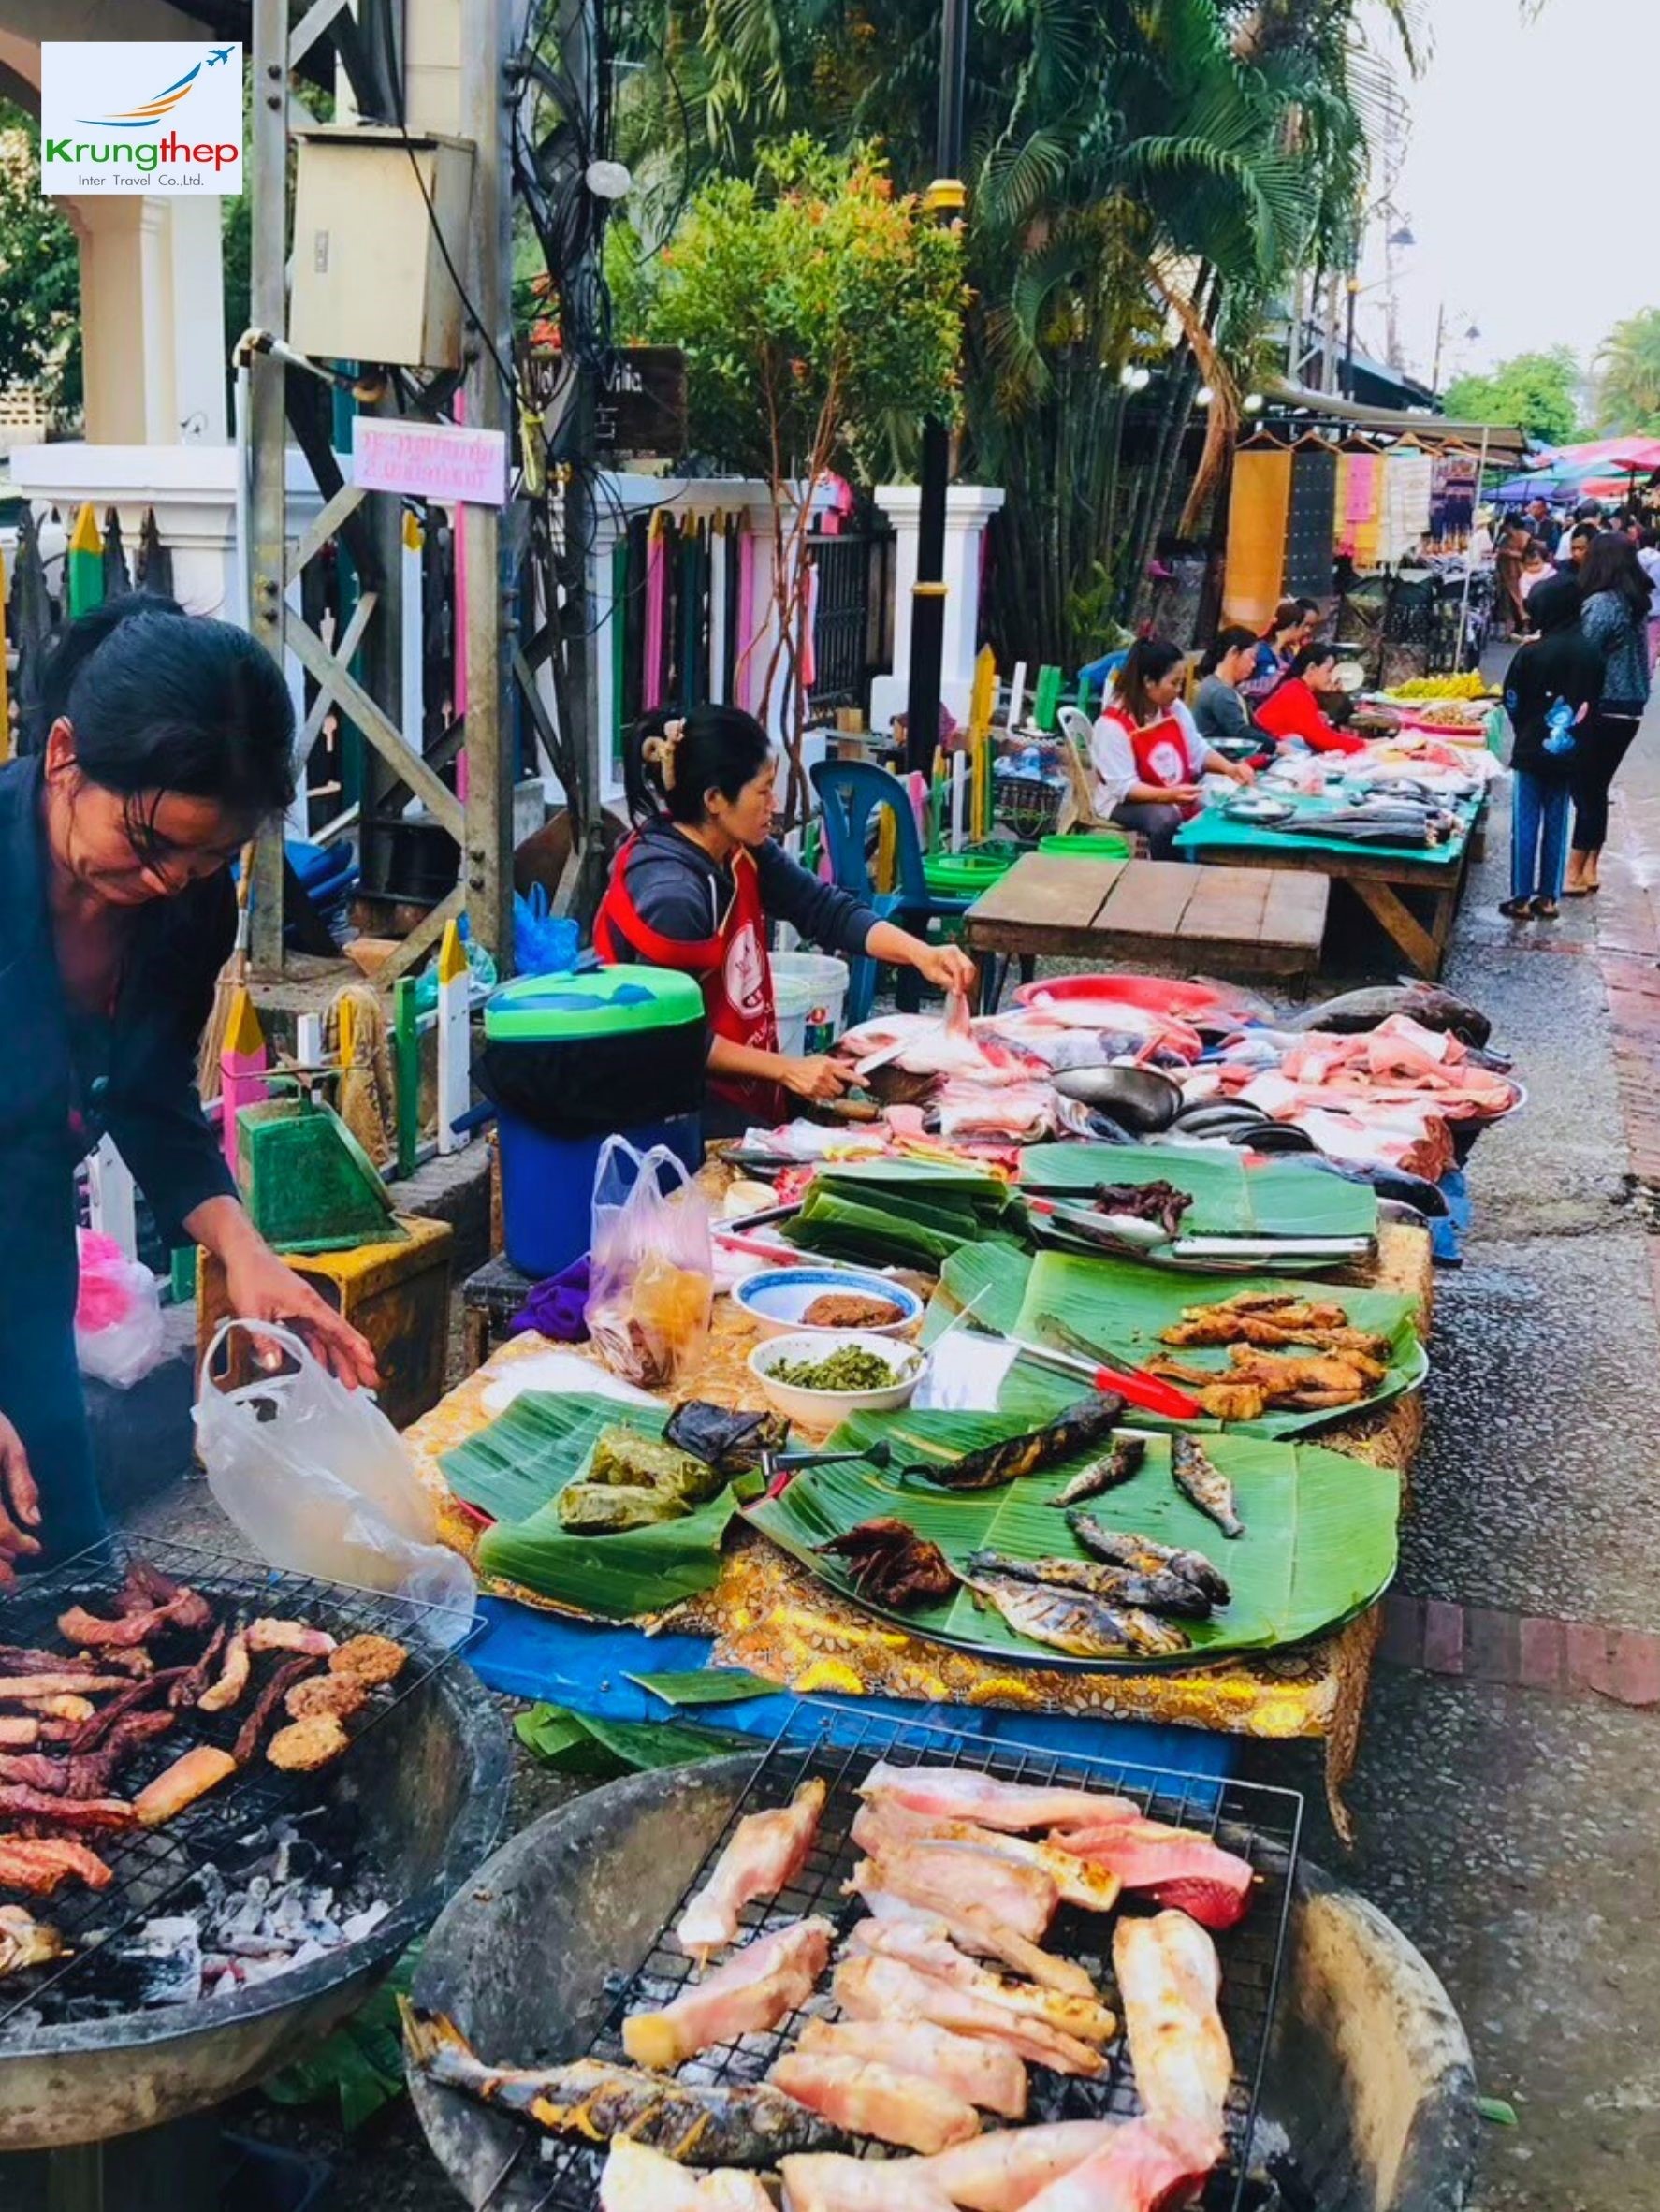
x=753, y=1992
x=1143, y=2168
x=825, y=2183
x=767, y=1850
x=880, y=1827
x=872, y=1988
x=934, y=1955
x=1169, y=1979
x=1172, y=1865
x=869, y=2099
x=636, y=2180
x=923, y=1044
x=958, y=1793
x=1000, y=2173
x=981, y=2074
x=890, y=1899
x=1022, y=1897
x=971, y=1108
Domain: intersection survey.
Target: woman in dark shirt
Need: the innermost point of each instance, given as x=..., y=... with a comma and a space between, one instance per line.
x=1551, y=692
x=168, y=742
x=698, y=883
x=1617, y=599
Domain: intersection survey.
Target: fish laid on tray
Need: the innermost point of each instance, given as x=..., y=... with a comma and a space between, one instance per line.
x=1142, y=1555
x=767, y=1850
x=1107, y=1473
x=1072, y=1621
x=696, y=2124
x=1203, y=1483
x=1091, y=1421
x=1170, y=1978
x=757, y=1987
x=1159, y=1593
x=636, y=2180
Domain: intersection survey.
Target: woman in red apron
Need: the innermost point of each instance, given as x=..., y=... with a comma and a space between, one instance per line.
x=696, y=886
x=1146, y=750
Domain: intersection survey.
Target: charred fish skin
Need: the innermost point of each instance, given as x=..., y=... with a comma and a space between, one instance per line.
x=1203, y=1483
x=695, y=2124
x=1160, y=1592
x=1142, y=1555
x=1116, y=1466
x=1088, y=1422
x=1072, y=1622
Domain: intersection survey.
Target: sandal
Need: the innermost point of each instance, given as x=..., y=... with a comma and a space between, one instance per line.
x=1516, y=909
x=1545, y=909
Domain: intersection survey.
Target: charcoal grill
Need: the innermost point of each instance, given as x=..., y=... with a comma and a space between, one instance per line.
x=425, y=1780
x=563, y=1933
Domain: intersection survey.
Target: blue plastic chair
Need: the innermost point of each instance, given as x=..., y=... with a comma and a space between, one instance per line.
x=1093, y=681
x=850, y=792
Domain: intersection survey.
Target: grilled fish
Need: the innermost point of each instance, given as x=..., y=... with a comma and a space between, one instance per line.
x=1161, y=1592
x=766, y=1851
x=1069, y=1621
x=1118, y=1466
x=699, y=2125
x=962, y=1793
x=1142, y=1555
x=1090, y=1421
x=1203, y=1483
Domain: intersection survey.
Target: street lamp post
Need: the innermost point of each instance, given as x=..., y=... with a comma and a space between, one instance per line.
x=946, y=197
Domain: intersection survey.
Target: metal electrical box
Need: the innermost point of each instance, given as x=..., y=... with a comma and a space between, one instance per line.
x=370, y=281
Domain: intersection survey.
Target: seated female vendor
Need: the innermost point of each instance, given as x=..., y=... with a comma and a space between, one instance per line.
x=695, y=887
x=1293, y=708
x=1146, y=751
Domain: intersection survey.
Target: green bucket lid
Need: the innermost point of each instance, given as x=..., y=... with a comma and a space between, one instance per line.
x=964, y=874
x=1088, y=845
x=601, y=1002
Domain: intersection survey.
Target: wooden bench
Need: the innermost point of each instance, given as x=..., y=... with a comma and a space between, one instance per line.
x=1156, y=914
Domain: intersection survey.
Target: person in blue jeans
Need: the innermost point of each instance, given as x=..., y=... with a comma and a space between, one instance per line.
x=1552, y=694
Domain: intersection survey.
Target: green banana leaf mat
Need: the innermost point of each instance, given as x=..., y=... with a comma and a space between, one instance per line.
x=1120, y=1308
x=1283, y=1198
x=1318, y=1547
x=513, y=1471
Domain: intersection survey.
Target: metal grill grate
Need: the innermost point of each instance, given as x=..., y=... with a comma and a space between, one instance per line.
x=1262, y=1825
x=152, y=1866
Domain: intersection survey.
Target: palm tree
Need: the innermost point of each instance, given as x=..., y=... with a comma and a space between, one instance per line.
x=1627, y=374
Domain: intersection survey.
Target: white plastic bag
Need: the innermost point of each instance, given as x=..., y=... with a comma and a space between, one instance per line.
x=119, y=1331
x=317, y=1481
x=651, y=1268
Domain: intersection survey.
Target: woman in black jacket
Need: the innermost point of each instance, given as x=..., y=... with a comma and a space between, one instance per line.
x=168, y=742
x=1550, y=694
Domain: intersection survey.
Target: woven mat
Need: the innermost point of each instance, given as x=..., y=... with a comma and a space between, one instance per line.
x=771, y=1616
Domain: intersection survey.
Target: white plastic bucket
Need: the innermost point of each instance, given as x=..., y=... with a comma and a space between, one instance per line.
x=809, y=990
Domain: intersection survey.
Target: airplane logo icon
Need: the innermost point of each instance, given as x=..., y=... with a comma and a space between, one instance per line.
x=217, y=55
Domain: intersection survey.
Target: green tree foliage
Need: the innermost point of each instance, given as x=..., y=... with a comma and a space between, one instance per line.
x=1534, y=392
x=39, y=273
x=1627, y=375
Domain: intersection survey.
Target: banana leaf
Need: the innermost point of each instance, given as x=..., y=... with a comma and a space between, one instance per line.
x=515, y=1470
x=887, y=1212
x=1286, y=1197
x=1318, y=1543
x=1120, y=1308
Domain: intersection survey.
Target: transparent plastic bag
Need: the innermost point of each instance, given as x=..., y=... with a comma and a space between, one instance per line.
x=119, y=1331
x=651, y=1266
x=317, y=1481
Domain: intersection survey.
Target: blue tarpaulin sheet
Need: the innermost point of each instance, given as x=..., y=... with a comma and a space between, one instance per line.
x=585, y=1666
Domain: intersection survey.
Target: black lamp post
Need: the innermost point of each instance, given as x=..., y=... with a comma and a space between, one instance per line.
x=946, y=197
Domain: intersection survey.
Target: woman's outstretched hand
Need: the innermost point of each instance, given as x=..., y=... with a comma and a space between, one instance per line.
x=261, y=1288
x=20, y=1511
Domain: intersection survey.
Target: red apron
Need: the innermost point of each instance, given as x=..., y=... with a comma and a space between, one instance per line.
x=732, y=968
x=1160, y=753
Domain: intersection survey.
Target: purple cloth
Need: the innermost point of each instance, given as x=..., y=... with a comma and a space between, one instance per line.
x=555, y=1308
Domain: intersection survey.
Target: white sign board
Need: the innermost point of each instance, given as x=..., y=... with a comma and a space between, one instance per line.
x=429, y=460
x=140, y=115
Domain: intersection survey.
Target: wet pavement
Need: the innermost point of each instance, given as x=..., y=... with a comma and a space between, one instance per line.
x=1509, y=1831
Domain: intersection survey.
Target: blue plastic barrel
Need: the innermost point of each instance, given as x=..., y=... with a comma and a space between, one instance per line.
x=548, y=1186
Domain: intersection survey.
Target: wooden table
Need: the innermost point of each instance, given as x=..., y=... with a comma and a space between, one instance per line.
x=1156, y=912
x=1415, y=902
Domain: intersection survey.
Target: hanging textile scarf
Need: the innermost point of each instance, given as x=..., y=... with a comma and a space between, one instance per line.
x=1256, y=516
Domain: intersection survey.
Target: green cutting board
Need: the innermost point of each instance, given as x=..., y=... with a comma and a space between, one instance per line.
x=1318, y=1543
x=513, y=1471
x=1284, y=1198
x=1121, y=1307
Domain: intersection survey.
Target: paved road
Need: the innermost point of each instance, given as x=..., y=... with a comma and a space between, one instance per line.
x=1510, y=1829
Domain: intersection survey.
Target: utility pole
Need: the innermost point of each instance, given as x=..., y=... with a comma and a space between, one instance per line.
x=266, y=436
x=487, y=858
x=1348, y=343
x=946, y=197
x=1440, y=339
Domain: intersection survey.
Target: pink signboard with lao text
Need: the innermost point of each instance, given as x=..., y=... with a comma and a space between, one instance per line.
x=429, y=460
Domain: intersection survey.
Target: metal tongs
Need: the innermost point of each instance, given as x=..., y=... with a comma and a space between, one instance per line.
x=778, y=1469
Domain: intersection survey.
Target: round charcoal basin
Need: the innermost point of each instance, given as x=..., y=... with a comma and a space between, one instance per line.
x=1368, y=2075
x=430, y=1779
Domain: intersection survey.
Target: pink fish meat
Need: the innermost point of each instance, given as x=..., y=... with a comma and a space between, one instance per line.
x=637, y=2179
x=873, y=1989
x=1169, y=1979
x=930, y=1952
x=998, y=2173
x=880, y=1827
x=987, y=2074
x=892, y=1898
x=870, y=2099
x=1174, y=1866
x=1143, y=2168
x=958, y=1793
x=755, y=1989
x=766, y=1851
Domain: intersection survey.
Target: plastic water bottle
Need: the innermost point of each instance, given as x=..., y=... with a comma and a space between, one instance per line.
x=1559, y=729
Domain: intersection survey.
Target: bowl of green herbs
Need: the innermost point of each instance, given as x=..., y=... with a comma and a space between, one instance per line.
x=818, y=1380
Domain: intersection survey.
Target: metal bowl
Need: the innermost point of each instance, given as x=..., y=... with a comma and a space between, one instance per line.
x=430, y=1779
x=1368, y=2071
x=1139, y=1097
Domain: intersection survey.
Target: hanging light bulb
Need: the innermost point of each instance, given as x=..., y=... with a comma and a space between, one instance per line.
x=1204, y=396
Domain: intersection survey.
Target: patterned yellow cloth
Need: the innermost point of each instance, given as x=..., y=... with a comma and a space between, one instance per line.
x=1258, y=513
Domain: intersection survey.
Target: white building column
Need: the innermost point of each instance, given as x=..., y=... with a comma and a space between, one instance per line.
x=151, y=317
x=968, y=510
